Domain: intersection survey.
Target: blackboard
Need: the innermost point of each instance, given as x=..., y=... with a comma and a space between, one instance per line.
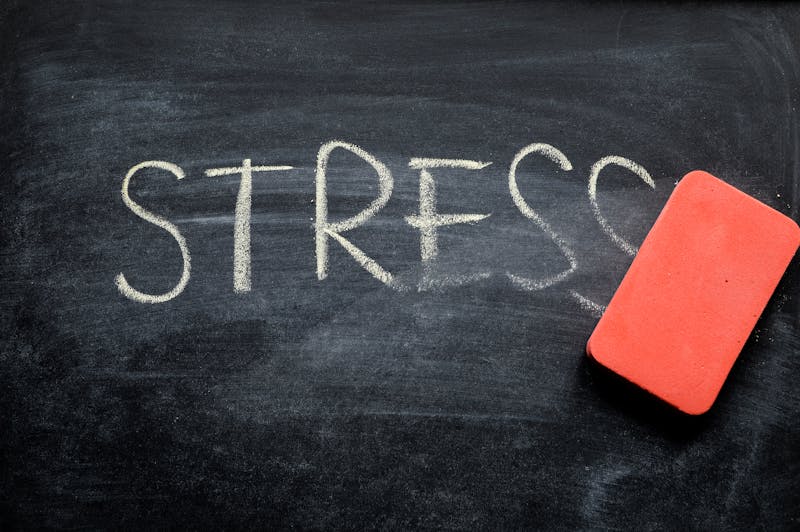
x=454, y=394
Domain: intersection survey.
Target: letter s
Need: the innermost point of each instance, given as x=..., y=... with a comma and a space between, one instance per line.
x=122, y=284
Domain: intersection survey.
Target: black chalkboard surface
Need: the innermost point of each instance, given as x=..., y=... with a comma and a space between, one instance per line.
x=390, y=333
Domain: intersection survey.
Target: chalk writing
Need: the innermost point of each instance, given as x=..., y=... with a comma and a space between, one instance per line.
x=427, y=220
x=325, y=229
x=122, y=283
x=241, y=233
x=559, y=158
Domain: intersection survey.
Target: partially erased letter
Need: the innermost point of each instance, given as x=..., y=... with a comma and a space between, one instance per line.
x=428, y=220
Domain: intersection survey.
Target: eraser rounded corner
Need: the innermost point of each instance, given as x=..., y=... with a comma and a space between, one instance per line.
x=699, y=407
x=693, y=176
x=694, y=291
x=696, y=175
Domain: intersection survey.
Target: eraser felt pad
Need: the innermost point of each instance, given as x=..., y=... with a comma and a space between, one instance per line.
x=694, y=292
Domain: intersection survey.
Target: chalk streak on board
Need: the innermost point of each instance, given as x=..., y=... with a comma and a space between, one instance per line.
x=588, y=305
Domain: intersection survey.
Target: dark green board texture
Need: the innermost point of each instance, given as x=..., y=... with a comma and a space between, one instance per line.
x=458, y=395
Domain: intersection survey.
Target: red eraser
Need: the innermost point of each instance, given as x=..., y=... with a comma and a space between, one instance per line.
x=694, y=292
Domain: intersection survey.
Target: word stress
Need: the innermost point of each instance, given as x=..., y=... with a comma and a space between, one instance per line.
x=426, y=221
